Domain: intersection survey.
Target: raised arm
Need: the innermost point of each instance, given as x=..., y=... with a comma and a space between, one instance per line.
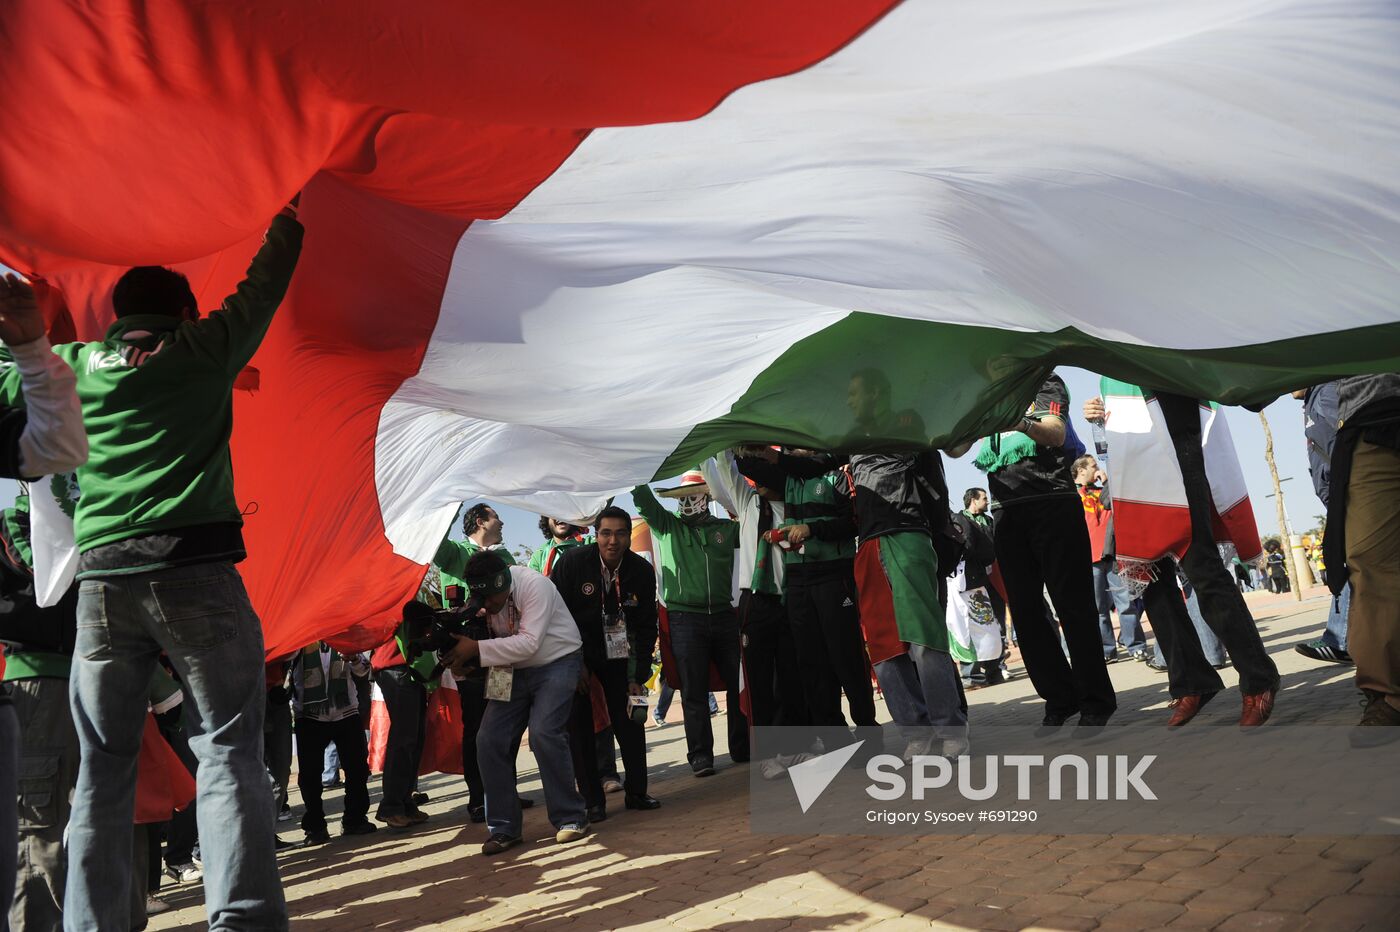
x=232, y=333
x=726, y=483
x=653, y=512
x=48, y=437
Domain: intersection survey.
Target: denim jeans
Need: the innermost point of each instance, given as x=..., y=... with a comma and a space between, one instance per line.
x=923, y=688
x=1110, y=594
x=542, y=697
x=330, y=766
x=200, y=616
x=697, y=640
x=1335, y=636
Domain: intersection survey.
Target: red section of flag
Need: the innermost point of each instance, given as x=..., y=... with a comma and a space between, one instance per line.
x=163, y=783
x=147, y=148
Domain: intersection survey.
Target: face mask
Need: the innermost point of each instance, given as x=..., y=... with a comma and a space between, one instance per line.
x=694, y=505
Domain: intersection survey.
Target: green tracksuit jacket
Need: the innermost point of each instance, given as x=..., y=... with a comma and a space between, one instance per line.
x=157, y=398
x=697, y=556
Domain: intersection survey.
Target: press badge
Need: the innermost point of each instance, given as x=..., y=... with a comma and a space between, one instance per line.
x=616, y=638
x=498, y=682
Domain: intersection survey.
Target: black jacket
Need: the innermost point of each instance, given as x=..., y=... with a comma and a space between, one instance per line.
x=578, y=574
x=979, y=550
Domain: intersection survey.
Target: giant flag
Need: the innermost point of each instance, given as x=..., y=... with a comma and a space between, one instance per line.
x=556, y=248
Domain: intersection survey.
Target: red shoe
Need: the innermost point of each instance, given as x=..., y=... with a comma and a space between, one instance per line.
x=1257, y=708
x=1185, y=708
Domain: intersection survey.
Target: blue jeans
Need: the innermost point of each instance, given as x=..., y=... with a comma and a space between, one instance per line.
x=200, y=616
x=922, y=688
x=663, y=701
x=1210, y=644
x=1109, y=594
x=1336, y=634
x=543, y=697
x=331, y=766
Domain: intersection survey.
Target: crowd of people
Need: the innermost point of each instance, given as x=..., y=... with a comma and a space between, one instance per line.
x=853, y=569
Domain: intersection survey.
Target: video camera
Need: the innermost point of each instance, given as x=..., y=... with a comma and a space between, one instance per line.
x=436, y=630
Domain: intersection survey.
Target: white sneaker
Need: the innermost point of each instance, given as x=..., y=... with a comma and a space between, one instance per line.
x=184, y=873
x=571, y=833
x=155, y=905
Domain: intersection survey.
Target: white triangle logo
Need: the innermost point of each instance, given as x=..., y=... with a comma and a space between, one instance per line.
x=811, y=778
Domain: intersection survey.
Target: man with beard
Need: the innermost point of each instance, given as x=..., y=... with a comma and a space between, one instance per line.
x=559, y=536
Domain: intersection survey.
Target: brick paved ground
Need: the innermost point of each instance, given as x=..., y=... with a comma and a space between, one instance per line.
x=695, y=865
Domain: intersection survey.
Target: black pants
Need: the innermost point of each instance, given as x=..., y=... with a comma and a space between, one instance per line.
x=697, y=640
x=349, y=740
x=1222, y=605
x=630, y=735
x=182, y=831
x=1045, y=544
x=277, y=741
x=776, y=693
x=825, y=619
x=406, y=701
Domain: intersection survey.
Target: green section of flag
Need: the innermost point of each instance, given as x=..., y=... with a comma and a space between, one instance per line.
x=969, y=382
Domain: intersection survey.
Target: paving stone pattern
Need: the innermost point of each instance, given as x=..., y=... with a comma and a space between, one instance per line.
x=694, y=864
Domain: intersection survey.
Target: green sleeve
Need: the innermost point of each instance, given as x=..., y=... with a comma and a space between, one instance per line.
x=231, y=335
x=537, y=558
x=10, y=393
x=452, y=557
x=650, y=508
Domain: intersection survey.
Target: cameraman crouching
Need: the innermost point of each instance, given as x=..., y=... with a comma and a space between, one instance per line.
x=534, y=665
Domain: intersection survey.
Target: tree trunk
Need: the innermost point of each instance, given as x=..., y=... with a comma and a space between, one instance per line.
x=1285, y=538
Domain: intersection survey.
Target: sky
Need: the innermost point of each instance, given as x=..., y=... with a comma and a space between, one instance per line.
x=1285, y=419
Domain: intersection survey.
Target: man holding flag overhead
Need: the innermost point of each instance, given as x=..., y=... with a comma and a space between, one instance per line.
x=159, y=531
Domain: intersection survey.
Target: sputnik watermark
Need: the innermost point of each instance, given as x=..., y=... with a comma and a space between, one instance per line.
x=1100, y=776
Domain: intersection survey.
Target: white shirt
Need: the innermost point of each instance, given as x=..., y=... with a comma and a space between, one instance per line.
x=544, y=629
x=729, y=487
x=54, y=440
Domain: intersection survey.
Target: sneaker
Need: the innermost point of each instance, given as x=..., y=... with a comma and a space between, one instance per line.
x=286, y=814
x=1159, y=667
x=571, y=833
x=184, y=873
x=1371, y=731
x=1257, y=709
x=1141, y=655
x=1112, y=658
x=1320, y=650
x=317, y=836
x=398, y=820
x=499, y=842
x=703, y=768
x=155, y=905
x=359, y=828
x=1185, y=708
x=612, y=786
x=658, y=720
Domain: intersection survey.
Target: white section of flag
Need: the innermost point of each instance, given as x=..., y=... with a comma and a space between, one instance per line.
x=1206, y=173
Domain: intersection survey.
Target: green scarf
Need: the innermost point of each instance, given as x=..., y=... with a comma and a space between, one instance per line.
x=1001, y=450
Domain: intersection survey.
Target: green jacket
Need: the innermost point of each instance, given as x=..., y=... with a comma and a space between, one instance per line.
x=540, y=561
x=451, y=560
x=824, y=505
x=697, y=557
x=157, y=398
